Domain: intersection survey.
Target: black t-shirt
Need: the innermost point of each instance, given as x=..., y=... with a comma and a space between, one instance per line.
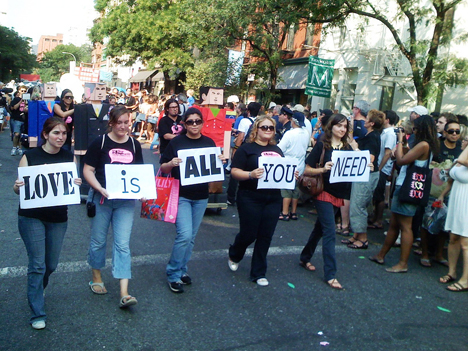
x=448, y=154
x=168, y=126
x=53, y=214
x=338, y=190
x=98, y=155
x=182, y=142
x=371, y=142
x=130, y=101
x=246, y=158
x=17, y=115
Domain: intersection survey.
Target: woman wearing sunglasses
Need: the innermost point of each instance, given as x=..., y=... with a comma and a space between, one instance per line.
x=193, y=199
x=65, y=110
x=258, y=208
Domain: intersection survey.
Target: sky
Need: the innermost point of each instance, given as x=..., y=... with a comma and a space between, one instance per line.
x=30, y=18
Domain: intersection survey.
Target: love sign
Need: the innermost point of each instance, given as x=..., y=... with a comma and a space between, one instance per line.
x=48, y=185
x=200, y=165
x=129, y=181
x=350, y=166
x=278, y=172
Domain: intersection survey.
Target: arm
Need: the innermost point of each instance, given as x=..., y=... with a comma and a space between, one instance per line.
x=386, y=157
x=240, y=174
x=19, y=183
x=412, y=155
x=77, y=181
x=168, y=166
x=446, y=190
x=15, y=107
x=309, y=171
x=463, y=158
x=89, y=175
x=64, y=114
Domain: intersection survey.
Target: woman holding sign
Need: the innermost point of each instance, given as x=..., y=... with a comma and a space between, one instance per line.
x=258, y=208
x=43, y=229
x=330, y=200
x=116, y=147
x=193, y=199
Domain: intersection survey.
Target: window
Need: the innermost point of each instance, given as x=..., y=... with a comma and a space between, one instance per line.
x=386, y=99
x=290, y=38
x=309, y=39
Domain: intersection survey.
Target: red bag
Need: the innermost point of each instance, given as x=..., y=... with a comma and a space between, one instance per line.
x=164, y=208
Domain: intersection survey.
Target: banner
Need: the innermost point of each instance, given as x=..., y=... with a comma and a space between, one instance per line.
x=350, y=166
x=130, y=181
x=279, y=172
x=48, y=185
x=320, y=77
x=200, y=166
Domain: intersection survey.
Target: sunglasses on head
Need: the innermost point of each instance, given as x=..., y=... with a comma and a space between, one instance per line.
x=267, y=128
x=194, y=122
x=451, y=131
x=68, y=97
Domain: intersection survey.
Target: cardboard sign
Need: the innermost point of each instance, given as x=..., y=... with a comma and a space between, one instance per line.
x=279, y=172
x=350, y=166
x=129, y=181
x=48, y=185
x=200, y=166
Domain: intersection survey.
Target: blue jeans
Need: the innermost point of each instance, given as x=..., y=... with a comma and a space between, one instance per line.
x=43, y=241
x=120, y=213
x=324, y=227
x=258, y=216
x=189, y=217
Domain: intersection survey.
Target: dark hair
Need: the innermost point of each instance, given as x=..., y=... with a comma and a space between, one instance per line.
x=49, y=124
x=377, y=117
x=192, y=111
x=450, y=121
x=242, y=108
x=231, y=105
x=463, y=119
x=115, y=114
x=392, y=117
x=254, y=108
x=334, y=120
x=425, y=130
x=167, y=103
x=62, y=103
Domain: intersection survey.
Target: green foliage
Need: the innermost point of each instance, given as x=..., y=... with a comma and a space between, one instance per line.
x=15, y=56
x=54, y=63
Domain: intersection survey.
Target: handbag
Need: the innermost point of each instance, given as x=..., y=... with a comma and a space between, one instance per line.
x=416, y=187
x=165, y=207
x=313, y=185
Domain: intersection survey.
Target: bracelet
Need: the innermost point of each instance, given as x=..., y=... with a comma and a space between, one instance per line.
x=250, y=175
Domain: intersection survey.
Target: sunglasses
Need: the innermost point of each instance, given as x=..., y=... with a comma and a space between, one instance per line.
x=451, y=131
x=69, y=97
x=267, y=128
x=194, y=122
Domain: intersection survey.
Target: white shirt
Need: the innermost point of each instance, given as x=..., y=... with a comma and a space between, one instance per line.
x=308, y=126
x=244, y=125
x=388, y=140
x=294, y=144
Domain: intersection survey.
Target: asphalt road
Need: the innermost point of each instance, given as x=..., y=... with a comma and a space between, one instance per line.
x=223, y=310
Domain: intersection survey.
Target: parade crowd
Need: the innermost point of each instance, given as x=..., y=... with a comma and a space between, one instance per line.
x=422, y=150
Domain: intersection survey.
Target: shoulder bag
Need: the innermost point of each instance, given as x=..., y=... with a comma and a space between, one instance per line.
x=416, y=187
x=313, y=185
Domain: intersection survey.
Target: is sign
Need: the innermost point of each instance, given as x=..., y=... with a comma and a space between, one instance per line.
x=130, y=181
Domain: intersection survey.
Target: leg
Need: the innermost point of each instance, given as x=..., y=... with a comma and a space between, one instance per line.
x=464, y=246
x=392, y=235
x=406, y=241
x=309, y=249
x=453, y=253
x=55, y=232
x=286, y=203
x=326, y=212
x=345, y=217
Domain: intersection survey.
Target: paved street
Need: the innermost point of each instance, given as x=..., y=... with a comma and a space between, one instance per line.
x=223, y=310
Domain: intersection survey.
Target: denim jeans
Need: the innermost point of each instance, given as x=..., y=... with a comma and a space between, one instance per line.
x=361, y=197
x=120, y=213
x=258, y=216
x=189, y=217
x=43, y=241
x=324, y=227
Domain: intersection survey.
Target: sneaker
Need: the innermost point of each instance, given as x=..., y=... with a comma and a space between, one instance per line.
x=176, y=286
x=233, y=265
x=38, y=325
x=19, y=151
x=186, y=280
x=262, y=282
x=13, y=151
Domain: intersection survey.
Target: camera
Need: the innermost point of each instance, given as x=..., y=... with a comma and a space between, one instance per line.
x=397, y=130
x=91, y=209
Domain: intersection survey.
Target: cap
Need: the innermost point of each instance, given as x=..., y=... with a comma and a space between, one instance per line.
x=272, y=104
x=232, y=98
x=285, y=110
x=298, y=118
x=420, y=110
x=298, y=108
x=327, y=112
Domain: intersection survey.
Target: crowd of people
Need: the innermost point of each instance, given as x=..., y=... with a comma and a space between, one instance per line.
x=396, y=145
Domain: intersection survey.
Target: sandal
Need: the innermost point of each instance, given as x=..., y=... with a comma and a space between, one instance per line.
x=374, y=226
x=307, y=266
x=456, y=287
x=338, y=228
x=376, y=260
x=442, y=262
x=293, y=216
x=335, y=284
x=283, y=217
x=101, y=291
x=348, y=241
x=345, y=231
x=425, y=262
x=127, y=301
x=364, y=246
x=446, y=279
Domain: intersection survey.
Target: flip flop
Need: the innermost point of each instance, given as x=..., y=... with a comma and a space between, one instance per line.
x=127, y=301
x=456, y=287
x=425, y=262
x=334, y=284
x=442, y=262
x=103, y=290
x=394, y=270
x=307, y=266
x=376, y=260
x=374, y=226
x=446, y=279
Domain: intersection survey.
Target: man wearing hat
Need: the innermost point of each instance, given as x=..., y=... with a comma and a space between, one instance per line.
x=308, y=125
x=416, y=112
x=284, y=118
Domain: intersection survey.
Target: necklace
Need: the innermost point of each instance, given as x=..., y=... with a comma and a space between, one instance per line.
x=337, y=146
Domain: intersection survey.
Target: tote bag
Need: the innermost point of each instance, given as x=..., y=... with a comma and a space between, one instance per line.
x=165, y=207
x=416, y=187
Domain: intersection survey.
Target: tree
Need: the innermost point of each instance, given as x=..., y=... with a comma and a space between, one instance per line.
x=55, y=63
x=15, y=56
x=433, y=17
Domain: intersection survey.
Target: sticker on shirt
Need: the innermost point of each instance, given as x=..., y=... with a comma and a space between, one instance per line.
x=120, y=156
x=270, y=154
x=177, y=129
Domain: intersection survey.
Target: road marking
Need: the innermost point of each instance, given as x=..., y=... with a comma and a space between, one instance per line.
x=146, y=260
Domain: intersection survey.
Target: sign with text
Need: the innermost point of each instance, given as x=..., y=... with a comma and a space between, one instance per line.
x=278, y=174
x=130, y=181
x=350, y=166
x=200, y=166
x=48, y=185
x=320, y=77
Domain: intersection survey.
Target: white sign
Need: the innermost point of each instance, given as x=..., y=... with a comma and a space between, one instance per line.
x=278, y=172
x=350, y=166
x=48, y=185
x=130, y=181
x=200, y=166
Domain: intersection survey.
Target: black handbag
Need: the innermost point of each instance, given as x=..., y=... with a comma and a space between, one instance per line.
x=416, y=187
x=313, y=185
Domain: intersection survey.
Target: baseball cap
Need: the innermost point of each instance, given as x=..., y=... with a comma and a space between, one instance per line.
x=420, y=110
x=327, y=112
x=286, y=110
x=298, y=108
x=272, y=104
